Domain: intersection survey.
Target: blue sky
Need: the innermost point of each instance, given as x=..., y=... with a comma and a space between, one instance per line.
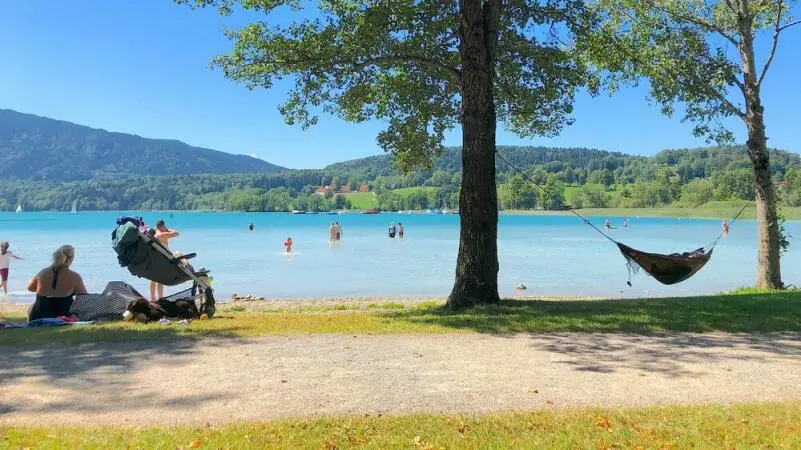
x=141, y=67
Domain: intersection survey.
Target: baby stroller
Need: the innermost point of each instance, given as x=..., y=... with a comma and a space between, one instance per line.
x=145, y=257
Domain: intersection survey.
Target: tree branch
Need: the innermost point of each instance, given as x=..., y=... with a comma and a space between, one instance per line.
x=776, y=30
x=453, y=73
x=784, y=27
x=732, y=8
x=697, y=21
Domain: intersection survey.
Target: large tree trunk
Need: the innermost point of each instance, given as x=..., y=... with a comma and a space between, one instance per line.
x=768, y=252
x=477, y=263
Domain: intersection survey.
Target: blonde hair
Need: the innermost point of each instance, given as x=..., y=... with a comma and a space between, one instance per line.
x=63, y=257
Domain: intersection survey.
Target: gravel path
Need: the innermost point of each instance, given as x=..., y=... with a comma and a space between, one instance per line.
x=217, y=381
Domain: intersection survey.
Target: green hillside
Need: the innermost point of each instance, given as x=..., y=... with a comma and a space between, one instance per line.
x=38, y=148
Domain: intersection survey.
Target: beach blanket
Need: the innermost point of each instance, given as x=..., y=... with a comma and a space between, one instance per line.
x=109, y=305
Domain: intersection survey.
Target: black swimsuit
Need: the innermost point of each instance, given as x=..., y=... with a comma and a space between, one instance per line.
x=50, y=307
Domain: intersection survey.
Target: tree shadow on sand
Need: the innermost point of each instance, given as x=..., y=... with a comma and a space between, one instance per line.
x=92, y=370
x=676, y=355
x=665, y=336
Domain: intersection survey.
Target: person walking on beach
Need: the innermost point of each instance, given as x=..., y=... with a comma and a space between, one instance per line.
x=288, y=245
x=163, y=235
x=400, y=230
x=5, y=261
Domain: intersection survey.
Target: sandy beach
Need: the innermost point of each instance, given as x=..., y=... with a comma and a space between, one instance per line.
x=301, y=376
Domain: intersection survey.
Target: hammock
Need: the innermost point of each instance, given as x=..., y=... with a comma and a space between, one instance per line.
x=667, y=269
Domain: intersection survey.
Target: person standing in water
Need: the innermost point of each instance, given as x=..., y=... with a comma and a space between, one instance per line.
x=625, y=223
x=5, y=261
x=288, y=245
x=332, y=232
x=163, y=235
x=337, y=231
x=725, y=227
x=392, y=230
x=400, y=230
x=608, y=225
x=251, y=226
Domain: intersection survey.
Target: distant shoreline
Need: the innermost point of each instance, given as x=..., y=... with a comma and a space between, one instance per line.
x=724, y=210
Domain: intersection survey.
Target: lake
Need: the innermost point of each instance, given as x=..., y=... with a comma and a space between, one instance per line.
x=552, y=255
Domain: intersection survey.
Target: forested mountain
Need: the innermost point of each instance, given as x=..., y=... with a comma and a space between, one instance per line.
x=39, y=148
x=48, y=164
x=576, y=177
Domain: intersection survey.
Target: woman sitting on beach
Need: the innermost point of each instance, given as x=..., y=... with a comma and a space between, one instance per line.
x=55, y=286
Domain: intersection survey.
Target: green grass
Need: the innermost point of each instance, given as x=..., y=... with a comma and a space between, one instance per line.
x=749, y=311
x=570, y=193
x=752, y=426
x=362, y=200
x=713, y=210
x=430, y=191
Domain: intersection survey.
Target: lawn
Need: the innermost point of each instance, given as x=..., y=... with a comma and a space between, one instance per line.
x=673, y=427
x=362, y=200
x=739, y=312
x=570, y=193
x=713, y=210
x=430, y=191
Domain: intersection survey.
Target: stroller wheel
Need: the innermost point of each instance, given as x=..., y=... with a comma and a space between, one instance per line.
x=209, y=309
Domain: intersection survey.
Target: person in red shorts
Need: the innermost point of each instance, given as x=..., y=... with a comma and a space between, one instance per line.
x=5, y=260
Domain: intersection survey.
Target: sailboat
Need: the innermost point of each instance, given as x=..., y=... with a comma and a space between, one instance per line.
x=19, y=207
x=74, y=209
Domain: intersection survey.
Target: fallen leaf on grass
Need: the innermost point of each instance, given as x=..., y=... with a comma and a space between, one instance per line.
x=423, y=444
x=533, y=391
x=329, y=445
x=603, y=422
x=194, y=444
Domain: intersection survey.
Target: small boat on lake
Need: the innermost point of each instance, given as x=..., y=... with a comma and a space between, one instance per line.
x=370, y=211
x=297, y=211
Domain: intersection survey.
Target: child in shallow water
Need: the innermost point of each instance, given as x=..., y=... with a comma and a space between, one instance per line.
x=288, y=244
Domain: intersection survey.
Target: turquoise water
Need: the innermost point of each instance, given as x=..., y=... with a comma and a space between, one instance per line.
x=552, y=255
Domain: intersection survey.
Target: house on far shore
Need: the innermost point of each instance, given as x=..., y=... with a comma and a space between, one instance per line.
x=344, y=189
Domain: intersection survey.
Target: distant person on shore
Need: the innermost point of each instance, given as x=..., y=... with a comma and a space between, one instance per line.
x=725, y=227
x=392, y=230
x=400, y=230
x=288, y=245
x=337, y=231
x=251, y=226
x=5, y=261
x=55, y=286
x=163, y=235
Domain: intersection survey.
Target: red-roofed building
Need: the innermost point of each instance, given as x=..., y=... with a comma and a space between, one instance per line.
x=322, y=190
x=363, y=187
x=345, y=189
